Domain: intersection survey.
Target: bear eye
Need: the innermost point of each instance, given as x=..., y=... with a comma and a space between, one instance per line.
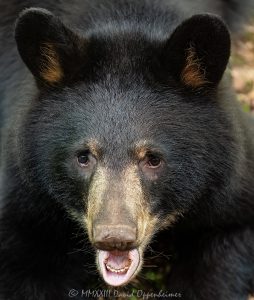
x=83, y=159
x=153, y=161
x=152, y=165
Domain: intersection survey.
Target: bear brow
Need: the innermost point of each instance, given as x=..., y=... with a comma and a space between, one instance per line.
x=142, y=148
x=95, y=147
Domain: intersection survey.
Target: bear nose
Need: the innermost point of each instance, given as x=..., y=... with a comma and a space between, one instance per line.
x=114, y=237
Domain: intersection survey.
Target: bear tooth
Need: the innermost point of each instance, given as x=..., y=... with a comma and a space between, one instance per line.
x=111, y=269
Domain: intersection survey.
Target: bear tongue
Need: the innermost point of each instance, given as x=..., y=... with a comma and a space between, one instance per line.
x=118, y=260
x=118, y=267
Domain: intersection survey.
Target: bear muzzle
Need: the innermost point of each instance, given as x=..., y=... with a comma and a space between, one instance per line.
x=117, y=255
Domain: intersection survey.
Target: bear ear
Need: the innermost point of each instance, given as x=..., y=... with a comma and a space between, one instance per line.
x=50, y=50
x=197, y=52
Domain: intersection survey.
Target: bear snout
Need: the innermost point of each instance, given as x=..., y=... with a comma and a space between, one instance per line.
x=115, y=237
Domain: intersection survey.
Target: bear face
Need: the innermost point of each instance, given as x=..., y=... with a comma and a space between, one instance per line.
x=110, y=135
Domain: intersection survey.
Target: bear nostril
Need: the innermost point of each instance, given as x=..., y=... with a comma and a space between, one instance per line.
x=113, y=244
x=109, y=237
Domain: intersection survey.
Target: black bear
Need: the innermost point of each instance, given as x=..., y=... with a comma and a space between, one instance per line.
x=117, y=125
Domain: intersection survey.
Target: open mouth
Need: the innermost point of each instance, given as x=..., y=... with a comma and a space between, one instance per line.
x=118, y=267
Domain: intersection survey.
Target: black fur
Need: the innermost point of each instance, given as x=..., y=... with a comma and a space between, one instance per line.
x=122, y=62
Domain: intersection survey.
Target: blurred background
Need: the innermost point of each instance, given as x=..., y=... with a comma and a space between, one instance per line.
x=242, y=67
